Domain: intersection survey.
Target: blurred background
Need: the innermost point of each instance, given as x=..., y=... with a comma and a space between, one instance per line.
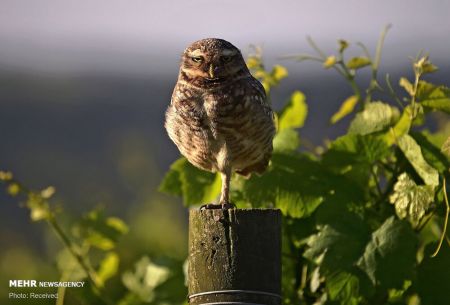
x=84, y=86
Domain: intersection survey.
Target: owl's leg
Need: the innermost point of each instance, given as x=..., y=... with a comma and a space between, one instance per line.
x=224, y=201
x=225, y=194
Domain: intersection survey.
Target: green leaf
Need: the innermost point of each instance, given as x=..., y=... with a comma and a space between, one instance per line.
x=344, y=287
x=432, y=154
x=404, y=82
x=411, y=201
x=401, y=127
x=146, y=277
x=375, y=117
x=347, y=107
x=48, y=192
x=424, y=65
x=5, y=175
x=413, y=153
x=329, y=62
x=294, y=113
x=341, y=238
x=39, y=208
x=293, y=183
x=279, y=72
x=100, y=231
x=362, y=148
x=195, y=185
x=358, y=62
x=433, y=276
x=108, y=267
x=286, y=140
x=353, y=155
x=434, y=97
x=13, y=189
x=389, y=258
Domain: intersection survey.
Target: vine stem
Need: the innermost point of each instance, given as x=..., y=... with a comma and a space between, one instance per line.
x=70, y=246
x=447, y=212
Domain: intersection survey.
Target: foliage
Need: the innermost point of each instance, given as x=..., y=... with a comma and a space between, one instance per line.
x=364, y=216
x=359, y=210
x=91, y=254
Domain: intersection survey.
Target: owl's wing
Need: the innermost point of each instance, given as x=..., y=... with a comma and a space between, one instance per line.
x=248, y=128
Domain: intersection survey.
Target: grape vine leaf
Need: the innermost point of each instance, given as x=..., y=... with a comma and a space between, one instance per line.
x=433, y=276
x=358, y=62
x=432, y=154
x=434, y=97
x=286, y=140
x=375, y=117
x=346, y=107
x=411, y=201
x=389, y=258
x=293, y=115
x=413, y=153
x=294, y=183
x=194, y=185
x=344, y=287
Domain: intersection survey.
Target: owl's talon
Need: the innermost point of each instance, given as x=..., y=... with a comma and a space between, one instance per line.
x=228, y=206
x=210, y=206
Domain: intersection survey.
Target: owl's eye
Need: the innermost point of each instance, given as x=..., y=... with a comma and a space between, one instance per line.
x=197, y=59
x=226, y=58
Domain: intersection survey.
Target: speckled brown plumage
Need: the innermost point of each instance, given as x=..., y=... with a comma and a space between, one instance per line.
x=218, y=116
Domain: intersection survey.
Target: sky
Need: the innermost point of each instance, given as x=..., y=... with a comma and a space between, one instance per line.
x=149, y=36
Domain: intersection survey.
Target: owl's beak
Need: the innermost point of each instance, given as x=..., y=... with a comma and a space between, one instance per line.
x=211, y=71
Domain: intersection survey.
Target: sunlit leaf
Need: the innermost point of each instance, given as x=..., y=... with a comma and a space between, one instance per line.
x=253, y=62
x=100, y=231
x=195, y=185
x=411, y=201
x=279, y=72
x=13, y=189
x=358, y=62
x=48, y=192
x=432, y=154
x=39, y=209
x=329, y=61
x=286, y=140
x=346, y=107
x=424, y=65
x=293, y=115
x=413, y=153
x=146, y=277
x=5, y=175
x=404, y=82
x=108, y=267
x=390, y=256
x=375, y=117
x=434, y=97
x=400, y=128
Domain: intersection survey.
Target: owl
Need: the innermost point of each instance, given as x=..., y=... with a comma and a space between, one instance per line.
x=218, y=116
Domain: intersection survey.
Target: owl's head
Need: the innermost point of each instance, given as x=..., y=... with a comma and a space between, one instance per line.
x=212, y=61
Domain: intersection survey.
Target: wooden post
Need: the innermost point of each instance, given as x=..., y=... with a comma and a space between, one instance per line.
x=235, y=256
